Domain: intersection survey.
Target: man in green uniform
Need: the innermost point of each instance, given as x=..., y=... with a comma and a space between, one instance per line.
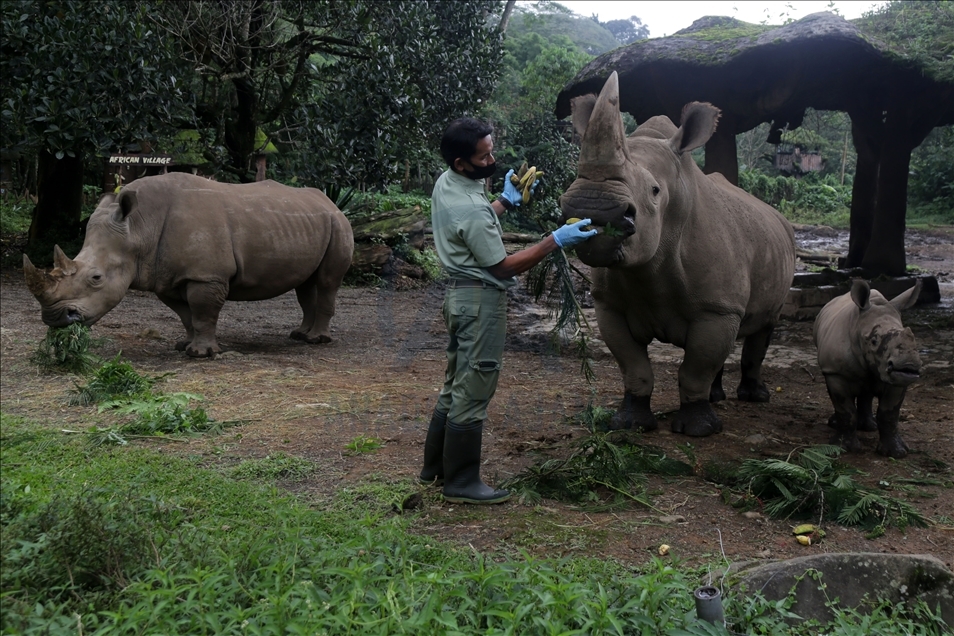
x=467, y=236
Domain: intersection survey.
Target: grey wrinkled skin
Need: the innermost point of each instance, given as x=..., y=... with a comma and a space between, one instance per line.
x=865, y=352
x=681, y=257
x=197, y=243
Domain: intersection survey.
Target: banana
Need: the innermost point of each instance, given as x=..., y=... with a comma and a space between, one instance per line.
x=528, y=176
x=572, y=220
x=804, y=539
x=807, y=528
x=528, y=180
x=519, y=174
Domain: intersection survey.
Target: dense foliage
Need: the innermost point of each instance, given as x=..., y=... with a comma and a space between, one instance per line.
x=355, y=93
x=375, y=117
x=81, y=78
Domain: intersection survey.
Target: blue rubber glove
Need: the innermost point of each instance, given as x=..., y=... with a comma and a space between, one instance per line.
x=510, y=191
x=570, y=235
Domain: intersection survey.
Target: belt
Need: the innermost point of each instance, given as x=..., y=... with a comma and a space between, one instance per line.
x=469, y=282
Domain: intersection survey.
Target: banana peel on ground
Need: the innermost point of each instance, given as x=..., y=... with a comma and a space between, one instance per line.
x=808, y=533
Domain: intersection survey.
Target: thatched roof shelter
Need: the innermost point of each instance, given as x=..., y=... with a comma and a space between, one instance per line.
x=755, y=73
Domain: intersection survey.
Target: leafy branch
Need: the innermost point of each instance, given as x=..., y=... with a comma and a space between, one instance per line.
x=553, y=277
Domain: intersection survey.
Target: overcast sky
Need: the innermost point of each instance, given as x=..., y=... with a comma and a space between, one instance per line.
x=665, y=18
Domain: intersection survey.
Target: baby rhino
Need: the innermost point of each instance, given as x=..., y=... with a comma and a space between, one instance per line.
x=865, y=353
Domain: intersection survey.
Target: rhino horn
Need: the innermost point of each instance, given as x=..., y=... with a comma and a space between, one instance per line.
x=62, y=261
x=604, y=141
x=37, y=281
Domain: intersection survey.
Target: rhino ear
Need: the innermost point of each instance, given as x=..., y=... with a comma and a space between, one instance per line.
x=128, y=203
x=605, y=141
x=906, y=300
x=699, y=121
x=582, y=109
x=860, y=292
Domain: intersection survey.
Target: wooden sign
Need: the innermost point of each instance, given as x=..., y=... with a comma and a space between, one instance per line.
x=140, y=160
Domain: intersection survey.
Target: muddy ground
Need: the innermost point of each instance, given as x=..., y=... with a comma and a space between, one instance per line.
x=379, y=379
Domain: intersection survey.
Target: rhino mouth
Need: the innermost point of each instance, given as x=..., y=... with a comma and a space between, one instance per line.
x=66, y=317
x=606, y=248
x=903, y=374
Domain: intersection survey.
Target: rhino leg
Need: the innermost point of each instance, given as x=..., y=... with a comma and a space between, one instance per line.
x=866, y=419
x=708, y=343
x=716, y=392
x=308, y=299
x=634, y=413
x=185, y=315
x=317, y=295
x=205, y=302
x=633, y=360
x=889, y=410
x=318, y=307
x=751, y=387
x=845, y=419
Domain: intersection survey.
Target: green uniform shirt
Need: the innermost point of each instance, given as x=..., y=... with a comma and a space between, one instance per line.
x=467, y=234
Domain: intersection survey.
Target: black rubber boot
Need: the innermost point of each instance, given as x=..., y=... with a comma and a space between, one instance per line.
x=433, y=471
x=462, y=482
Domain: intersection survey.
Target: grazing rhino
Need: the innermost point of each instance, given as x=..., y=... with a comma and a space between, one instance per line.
x=682, y=257
x=197, y=243
x=865, y=352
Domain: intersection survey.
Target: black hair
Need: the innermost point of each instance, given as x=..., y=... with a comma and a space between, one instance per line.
x=461, y=137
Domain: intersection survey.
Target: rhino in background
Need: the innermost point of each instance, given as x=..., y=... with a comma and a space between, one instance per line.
x=681, y=257
x=197, y=243
x=865, y=352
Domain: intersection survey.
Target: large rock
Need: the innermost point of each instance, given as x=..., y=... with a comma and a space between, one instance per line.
x=850, y=577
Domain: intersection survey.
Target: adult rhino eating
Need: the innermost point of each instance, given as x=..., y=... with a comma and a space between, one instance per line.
x=197, y=243
x=681, y=257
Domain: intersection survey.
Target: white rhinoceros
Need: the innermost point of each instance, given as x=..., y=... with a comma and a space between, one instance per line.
x=681, y=257
x=865, y=352
x=197, y=243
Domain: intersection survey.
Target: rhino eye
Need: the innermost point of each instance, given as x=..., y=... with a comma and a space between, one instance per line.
x=655, y=190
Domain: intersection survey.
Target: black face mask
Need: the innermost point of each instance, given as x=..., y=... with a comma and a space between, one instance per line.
x=481, y=173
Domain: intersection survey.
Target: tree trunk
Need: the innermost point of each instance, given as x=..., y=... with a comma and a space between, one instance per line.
x=885, y=253
x=240, y=131
x=721, y=153
x=505, y=18
x=56, y=216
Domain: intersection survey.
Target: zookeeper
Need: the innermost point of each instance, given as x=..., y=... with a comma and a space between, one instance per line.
x=468, y=239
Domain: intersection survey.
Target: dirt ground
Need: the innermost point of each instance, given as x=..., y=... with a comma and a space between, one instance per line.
x=380, y=376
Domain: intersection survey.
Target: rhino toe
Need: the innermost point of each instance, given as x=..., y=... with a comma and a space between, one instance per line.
x=847, y=440
x=749, y=391
x=892, y=446
x=696, y=419
x=634, y=413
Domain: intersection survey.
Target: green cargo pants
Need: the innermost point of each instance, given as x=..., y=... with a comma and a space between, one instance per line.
x=476, y=319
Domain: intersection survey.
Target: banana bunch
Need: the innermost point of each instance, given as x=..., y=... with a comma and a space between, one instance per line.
x=524, y=179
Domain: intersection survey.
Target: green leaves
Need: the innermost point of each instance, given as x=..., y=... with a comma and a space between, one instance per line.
x=94, y=85
x=813, y=484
